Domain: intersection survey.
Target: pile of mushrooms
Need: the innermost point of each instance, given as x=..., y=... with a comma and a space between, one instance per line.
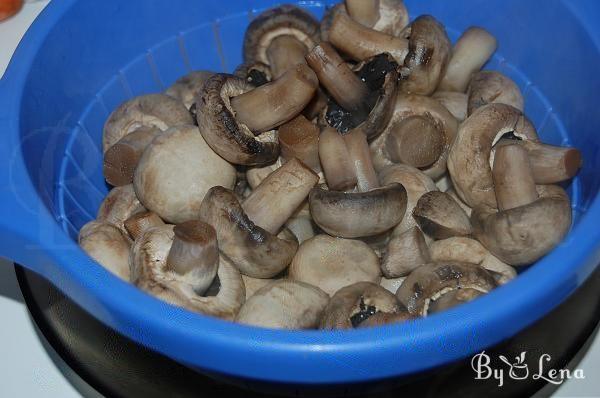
x=353, y=172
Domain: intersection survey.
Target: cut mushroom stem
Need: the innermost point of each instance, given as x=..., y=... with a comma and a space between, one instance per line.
x=360, y=157
x=440, y=217
x=513, y=179
x=361, y=42
x=194, y=253
x=121, y=159
x=275, y=103
x=365, y=12
x=335, y=75
x=299, y=138
x=140, y=222
x=335, y=160
x=472, y=50
x=278, y=196
x=284, y=53
x=416, y=141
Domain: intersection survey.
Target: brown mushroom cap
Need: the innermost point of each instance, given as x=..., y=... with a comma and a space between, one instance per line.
x=140, y=222
x=153, y=110
x=120, y=204
x=430, y=281
x=352, y=305
x=491, y=87
x=332, y=263
x=522, y=235
x=429, y=51
x=417, y=105
x=353, y=215
x=175, y=172
x=404, y=253
x=187, y=87
x=254, y=251
x=284, y=304
x=469, y=159
x=456, y=103
x=469, y=250
x=440, y=217
x=149, y=271
x=108, y=246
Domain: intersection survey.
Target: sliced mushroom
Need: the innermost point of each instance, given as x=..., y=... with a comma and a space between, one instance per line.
x=279, y=195
x=332, y=263
x=469, y=250
x=153, y=110
x=138, y=223
x=335, y=160
x=121, y=159
x=254, y=73
x=456, y=103
x=387, y=16
x=254, y=251
x=353, y=215
x=453, y=299
x=352, y=305
x=416, y=184
x=435, y=113
x=175, y=172
x=284, y=304
x=469, y=159
x=404, y=253
x=393, y=284
x=107, y=245
x=299, y=138
x=472, y=50
x=120, y=204
x=186, y=88
x=440, y=217
x=430, y=281
x=280, y=37
x=490, y=87
x=151, y=273
x=429, y=51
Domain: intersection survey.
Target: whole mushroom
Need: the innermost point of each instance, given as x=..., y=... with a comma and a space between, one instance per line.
x=440, y=217
x=491, y=87
x=120, y=204
x=404, y=253
x=107, y=245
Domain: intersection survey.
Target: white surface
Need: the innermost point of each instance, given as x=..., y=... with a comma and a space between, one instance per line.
x=30, y=368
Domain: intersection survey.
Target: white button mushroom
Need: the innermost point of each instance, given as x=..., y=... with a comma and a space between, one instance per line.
x=107, y=245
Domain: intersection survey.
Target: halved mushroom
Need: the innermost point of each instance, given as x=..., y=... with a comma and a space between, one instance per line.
x=456, y=103
x=299, y=138
x=186, y=88
x=472, y=50
x=138, y=223
x=416, y=184
x=175, y=172
x=254, y=251
x=469, y=250
x=284, y=304
x=153, y=110
x=151, y=271
x=453, y=299
x=279, y=195
x=360, y=214
x=469, y=159
x=352, y=305
x=280, y=37
x=440, y=217
x=107, y=245
x=429, y=51
x=387, y=16
x=332, y=263
x=491, y=87
x=430, y=281
x=120, y=204
x=404, y=253
x=121, y=159
x=254, y=73
x=392, y=284
x=433, y=115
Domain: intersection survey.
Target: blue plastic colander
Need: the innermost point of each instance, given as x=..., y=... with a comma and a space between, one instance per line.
x=82, y=58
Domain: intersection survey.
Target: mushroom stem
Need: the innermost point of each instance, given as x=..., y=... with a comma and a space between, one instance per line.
x=140, y=222
x=284, y=53
x=275, y=103
x=343, y=85
x=415, y=141
x=274, y=201
x=360, y=156
x=299, y=138
x=361, y=42
x=121, y=159
x=552, y=164
x=335, y=160
x=365, y=12
x=513, y=180
x=195, y=252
